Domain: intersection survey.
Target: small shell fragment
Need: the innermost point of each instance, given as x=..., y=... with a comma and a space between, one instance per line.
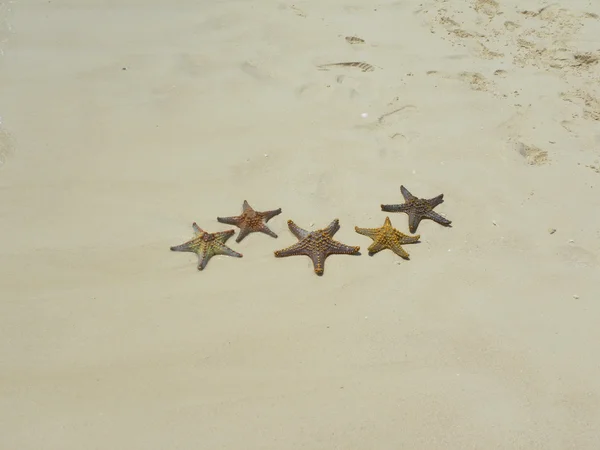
x=354, y=40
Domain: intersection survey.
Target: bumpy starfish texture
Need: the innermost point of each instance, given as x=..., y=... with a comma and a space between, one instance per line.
x=418, y=209
x=251, y=221
x=317, y=245
x=206, y=245
x=387, y=237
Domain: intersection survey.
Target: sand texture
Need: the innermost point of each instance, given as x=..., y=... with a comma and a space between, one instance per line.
x=122, y=123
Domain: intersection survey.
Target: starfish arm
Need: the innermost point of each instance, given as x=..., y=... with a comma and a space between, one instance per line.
x=292, y=250
x=297, y=231
x=197, y=229
x=203, y=258
x=398, y=250
x=376, y=247
x=233, y=220
x=337, y=248
x=333, y=227
x=265, y=229
x=222, y=249
x=268, y=215
x=394, y=208
x=223, y=236
x=406, y=194
x=437, y=218
x=404, y=239
x=206, y=245
x=433, y=202
x=414, y=220
x=369, y=232
x=185, y=247
x=243, y=233
x=318, y=260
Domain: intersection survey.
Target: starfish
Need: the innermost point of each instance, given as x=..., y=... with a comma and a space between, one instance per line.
x=417, y=209
x=206, y=245
x=387, y=237
x=251, y=221
x=317, y=245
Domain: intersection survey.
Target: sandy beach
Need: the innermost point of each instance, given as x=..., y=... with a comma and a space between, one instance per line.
x=122, y=123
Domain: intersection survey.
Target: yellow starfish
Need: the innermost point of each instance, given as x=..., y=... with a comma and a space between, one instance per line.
x=387, y=237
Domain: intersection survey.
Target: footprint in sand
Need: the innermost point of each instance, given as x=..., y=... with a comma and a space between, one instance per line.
x=488, y=7
x=545, y=37
x=474, y=80
x=589, y=103
x=467, y=27
x=537, y=38
x=533, y=155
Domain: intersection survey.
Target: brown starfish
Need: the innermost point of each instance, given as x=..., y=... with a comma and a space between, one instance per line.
x=387, y=237
x=417, y=209
x=317, y=245
x=251, y=221
x=206, y=245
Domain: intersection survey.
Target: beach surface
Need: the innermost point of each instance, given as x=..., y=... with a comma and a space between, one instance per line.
x=122, y=123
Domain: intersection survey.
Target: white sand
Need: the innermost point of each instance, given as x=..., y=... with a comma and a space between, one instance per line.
x=486, y=339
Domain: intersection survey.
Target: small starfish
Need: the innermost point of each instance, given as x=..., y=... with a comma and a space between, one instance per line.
x=317, y=245
x=417, y=209
x=206, y=245
x=251, y=221
x=387, y=237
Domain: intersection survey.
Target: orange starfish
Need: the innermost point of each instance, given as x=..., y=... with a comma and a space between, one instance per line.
x=317, y=245
x=251, y=221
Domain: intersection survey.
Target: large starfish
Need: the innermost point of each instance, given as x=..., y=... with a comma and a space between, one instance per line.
x=206, y=245
x=417, y=209
x=387, y=237
x=317, y=245
x=251, y=221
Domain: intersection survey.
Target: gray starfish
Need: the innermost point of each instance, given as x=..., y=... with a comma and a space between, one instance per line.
x=418, y=209
x=206, y=245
